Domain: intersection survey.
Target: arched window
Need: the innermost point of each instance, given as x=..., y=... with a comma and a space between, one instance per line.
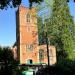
x=50, y=54
x=41, y=54
x=28, y=17
x=29, y=47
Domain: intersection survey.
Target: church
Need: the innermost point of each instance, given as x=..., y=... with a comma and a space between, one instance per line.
x=27, y=49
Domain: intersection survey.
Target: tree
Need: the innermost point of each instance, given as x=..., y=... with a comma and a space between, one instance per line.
x=15, y=3
x=7, y=56
x=7, y=60
x=69, y=0
x=61, y=27
x=41, y=31
x=6, y=3
x=44, y=13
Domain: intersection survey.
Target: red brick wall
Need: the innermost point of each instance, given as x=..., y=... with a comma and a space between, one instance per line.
x=28, y=34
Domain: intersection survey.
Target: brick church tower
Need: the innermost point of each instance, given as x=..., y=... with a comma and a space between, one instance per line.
x=27, y=47
x=26, y=34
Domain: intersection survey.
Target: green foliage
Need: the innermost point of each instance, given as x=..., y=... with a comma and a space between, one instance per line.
x=37, y=1
x=40, y=31
x=12, y=3
x=65, y=67
x=61, y=30
x=61, y=27
x=7, y=60
x=6, y=55
x=15, y=3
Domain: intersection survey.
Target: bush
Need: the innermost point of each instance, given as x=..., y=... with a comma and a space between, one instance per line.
x=65, y=67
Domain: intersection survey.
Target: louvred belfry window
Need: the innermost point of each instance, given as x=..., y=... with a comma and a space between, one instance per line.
x=28, y=17
x=29, y=47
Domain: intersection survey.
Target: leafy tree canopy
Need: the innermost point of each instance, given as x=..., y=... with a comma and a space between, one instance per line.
x=61, y=26
x=6, y=55
x=61, y=30
x=15, y=3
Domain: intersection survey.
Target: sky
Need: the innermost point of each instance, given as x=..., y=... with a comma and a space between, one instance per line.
x=8, y=24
